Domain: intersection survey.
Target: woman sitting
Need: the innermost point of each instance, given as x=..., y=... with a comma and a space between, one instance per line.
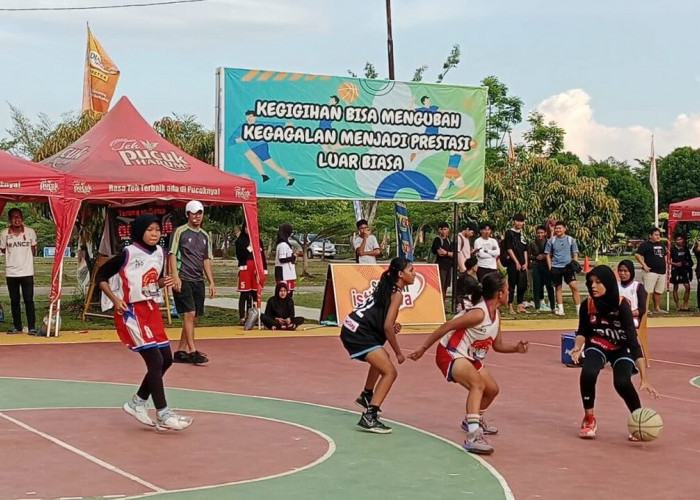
x=279, y=312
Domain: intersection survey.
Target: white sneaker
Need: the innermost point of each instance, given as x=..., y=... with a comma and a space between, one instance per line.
x=172, y=421
x=139, y=410
x=559, y=312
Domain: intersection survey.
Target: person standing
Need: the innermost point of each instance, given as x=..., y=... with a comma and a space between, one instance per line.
x=561, y=251
x=366, y=246
x=18, y=243
x=138, y=319
x=190, y=260
x=632, y=291
x=696, y=251
x=681, y=270
x=247, y=282
x=464, y=245
x=364, y=333
x=541, y=277
x=516, y=263
x=653, y=257
x=286, y=258
x=606, y=334
x=487, y=251
x=444, y=252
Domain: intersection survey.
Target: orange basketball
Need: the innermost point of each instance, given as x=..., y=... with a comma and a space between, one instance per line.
x=348, y=91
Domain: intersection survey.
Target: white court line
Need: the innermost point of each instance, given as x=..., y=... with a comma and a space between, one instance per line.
x=83, y=454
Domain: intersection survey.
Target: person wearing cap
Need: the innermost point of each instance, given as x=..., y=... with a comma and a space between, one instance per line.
x=190, y=260
x=516, y=261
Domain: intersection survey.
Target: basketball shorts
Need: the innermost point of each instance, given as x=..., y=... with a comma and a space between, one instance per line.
x=141, y=327
x=562, y=274
x=190, y=297
x=445, y=360
x=246, y=277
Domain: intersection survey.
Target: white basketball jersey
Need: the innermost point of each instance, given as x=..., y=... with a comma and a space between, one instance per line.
x=139, y=275
x=474, y=342
x=629, y=293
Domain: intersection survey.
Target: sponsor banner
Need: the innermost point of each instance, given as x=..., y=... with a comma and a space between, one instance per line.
x=101, y=76
x=351, y=284
x=404, y=237
x=315, y=136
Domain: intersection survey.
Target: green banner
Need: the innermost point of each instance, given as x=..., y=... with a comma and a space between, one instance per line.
x=316, y=137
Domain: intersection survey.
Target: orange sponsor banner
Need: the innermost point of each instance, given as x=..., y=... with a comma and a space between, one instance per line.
x=101, y=76
x=350, y=284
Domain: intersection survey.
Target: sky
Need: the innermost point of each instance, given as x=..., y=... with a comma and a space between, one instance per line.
x=610, y=72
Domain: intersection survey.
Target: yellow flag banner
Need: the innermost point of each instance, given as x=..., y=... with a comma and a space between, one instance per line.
x=101, y=75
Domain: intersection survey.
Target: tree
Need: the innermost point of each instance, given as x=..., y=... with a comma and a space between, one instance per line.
x=67, y=132
x=541, y=188
x=25, y=136
x=503, y=111
x=635, y=198
x=678, y=176
x=187, y=134
x=543, y=139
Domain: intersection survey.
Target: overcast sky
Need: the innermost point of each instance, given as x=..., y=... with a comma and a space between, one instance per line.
x=611, y=72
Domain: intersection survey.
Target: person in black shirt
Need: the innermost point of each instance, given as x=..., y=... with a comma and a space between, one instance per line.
x=367, y=329
x=681, y=270
x=607, y=334
x=696, y=251
x=652, y=255
x=541, y=277
x=466, y=283
x=516, y=263
x=279, y=311
x=443, y=250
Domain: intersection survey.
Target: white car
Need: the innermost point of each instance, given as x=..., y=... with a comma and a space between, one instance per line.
x=318, y=247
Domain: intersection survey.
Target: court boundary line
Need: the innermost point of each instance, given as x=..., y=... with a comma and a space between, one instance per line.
x=325, y=456
x=508, y=493
x=87, y=456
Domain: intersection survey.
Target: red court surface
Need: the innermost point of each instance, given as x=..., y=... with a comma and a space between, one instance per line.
x=538, y=411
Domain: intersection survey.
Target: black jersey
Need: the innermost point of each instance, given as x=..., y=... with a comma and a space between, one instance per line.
x=609, y=332
x=365, y=325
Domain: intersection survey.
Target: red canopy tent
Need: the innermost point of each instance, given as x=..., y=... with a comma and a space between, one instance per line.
x=122, y=161
x=688, y=210
x=22, y=180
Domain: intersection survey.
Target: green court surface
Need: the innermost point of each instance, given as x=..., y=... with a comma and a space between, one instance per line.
x=407, y=464
x=695, y=381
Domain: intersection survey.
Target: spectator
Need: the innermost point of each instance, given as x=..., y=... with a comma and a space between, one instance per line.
x=464, y=245
x=467, y=284
x=247, y=282
x=18, y=243
x=279, y=312
x=444, y=252
x=366, y=246
x=541, y=276
x=487, y=251
x=562, y=251
x=696, y=251
x=632, y=290
x=516, y=263
x=653, y=257
x=285, y=258
x=681, y=270
x=190, y=260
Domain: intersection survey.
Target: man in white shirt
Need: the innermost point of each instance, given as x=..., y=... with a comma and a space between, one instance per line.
x=366, y=245
x=18, y=243
x=487, y=251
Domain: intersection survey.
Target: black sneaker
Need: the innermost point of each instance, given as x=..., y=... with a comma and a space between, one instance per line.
x=362, y=401
x=370, y=423
x=181, y=357
x=198, y=358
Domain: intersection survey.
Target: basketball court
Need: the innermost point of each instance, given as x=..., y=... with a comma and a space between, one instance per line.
x=274, y=418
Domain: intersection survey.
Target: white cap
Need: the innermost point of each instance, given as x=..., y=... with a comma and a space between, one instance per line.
x=193, y=207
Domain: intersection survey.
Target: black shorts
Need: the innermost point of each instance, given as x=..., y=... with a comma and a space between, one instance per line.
x=190, y=298
x=679, y=276
x=562, y=273
x=358, y=350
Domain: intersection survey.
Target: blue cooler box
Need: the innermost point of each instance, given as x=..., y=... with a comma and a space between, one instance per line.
x=567, y=344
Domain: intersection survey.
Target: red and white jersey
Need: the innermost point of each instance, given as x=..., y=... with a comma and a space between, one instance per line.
x=473, y=343
x=139, y=274
x=629, y=293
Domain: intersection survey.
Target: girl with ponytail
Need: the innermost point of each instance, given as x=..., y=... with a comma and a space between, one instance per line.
x=464, y=342
x=367, y=329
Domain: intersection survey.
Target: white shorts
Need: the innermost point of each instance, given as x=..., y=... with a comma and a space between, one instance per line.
x=654, y=282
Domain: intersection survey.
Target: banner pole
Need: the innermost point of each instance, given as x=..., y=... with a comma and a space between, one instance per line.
x=455, y=269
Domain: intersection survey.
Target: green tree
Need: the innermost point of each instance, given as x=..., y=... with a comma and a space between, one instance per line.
x=503, y=112
x=635, y=198
x=543, y=139
x=26, y=136
x=678, y=176
x=541, y=188
x=187, y=134
x=65, y=133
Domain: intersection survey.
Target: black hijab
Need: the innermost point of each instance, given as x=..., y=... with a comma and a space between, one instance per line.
x=279, y=307
x=630, y=267
x=610, y=301
x=139, y=226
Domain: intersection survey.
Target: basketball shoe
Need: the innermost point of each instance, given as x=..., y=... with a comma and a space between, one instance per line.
x=476, y=443
x=588, y=427
x=169, y=420
x=485, y=426
x=369, y=422
x=138, y=409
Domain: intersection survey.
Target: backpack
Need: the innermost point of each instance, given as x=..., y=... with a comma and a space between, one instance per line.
x=570, y=239
x=505, y=256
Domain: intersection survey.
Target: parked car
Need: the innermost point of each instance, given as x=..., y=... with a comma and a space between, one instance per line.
x=317, y=246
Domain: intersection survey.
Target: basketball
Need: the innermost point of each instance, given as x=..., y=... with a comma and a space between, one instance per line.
x=645, y=424
x=348, y=91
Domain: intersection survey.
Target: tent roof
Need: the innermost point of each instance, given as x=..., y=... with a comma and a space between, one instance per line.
x=23, y=180
x=685, y=210
x=122, y=160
